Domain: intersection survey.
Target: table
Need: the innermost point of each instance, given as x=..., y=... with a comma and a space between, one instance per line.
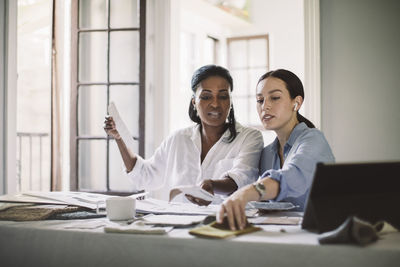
x=48, y=243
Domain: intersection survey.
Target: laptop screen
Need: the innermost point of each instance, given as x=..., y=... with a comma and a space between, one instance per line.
x=370, y=191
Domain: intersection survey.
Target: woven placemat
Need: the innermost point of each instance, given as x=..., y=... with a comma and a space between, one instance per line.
x=36, y=212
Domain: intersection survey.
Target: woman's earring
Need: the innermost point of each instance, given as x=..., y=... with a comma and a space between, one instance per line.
x=194, y=107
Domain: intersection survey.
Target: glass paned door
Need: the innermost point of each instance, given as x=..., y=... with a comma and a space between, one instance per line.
x=108, y=66
x=34, y=47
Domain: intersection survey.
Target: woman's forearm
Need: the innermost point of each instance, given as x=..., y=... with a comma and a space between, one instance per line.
x=129, y=158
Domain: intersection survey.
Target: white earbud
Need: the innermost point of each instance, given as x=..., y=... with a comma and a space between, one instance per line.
x=295, y=107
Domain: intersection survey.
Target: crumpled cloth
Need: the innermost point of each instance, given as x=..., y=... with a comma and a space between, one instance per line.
x=356, y=231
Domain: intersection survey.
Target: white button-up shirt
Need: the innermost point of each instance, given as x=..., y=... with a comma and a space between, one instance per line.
x=177, y=161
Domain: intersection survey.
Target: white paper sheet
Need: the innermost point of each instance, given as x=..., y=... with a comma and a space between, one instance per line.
x=82, y=199
x=151, y=205
x=195, y=191
x=20, y=198
x=121, y=127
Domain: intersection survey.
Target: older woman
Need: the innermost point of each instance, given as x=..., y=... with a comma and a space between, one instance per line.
x=217, y=153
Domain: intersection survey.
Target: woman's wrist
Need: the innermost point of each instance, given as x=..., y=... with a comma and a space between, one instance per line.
x=251, y=193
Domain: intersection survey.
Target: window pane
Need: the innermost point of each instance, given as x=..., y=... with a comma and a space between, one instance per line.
x=240, y=82
x=126, y=98
x=92, y=107
x=254, y=119
x=255, y=74
x=92, y=164
x=124, y=56
x=33, y=164
x=258, y=52
x=93, y=14
x=237, y=48
x=187, y=59
x=33, y=94
x=209, y=51
x=119, y=181
x=241, y=109
x=93, y=57
x=124, y=14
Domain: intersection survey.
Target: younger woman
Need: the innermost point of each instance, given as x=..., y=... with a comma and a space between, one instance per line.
x=287, y=165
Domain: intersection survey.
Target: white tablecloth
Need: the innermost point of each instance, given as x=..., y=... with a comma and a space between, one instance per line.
x=48, y=243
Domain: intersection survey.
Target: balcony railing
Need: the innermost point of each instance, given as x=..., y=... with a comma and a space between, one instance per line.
x=33, y=161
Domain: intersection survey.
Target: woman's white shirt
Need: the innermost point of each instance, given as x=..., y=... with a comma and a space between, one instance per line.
x=177, y=162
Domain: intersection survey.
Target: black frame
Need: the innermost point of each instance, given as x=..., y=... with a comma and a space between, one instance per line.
x=75, y=84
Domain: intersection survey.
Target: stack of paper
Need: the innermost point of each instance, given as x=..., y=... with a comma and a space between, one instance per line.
x=81, y=199
x=194, y=191
x=155, y=206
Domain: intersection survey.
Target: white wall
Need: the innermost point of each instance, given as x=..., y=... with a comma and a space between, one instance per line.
x=360, y=72
x=158, y=46
x=283, y=20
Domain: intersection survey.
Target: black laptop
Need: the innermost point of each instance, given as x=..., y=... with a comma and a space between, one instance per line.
x=370, y=191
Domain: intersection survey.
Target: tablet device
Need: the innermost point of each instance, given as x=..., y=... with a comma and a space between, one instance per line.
x=370, y=191
x=270, y=206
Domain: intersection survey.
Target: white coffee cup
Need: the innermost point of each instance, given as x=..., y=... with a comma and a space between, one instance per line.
x=120, y=208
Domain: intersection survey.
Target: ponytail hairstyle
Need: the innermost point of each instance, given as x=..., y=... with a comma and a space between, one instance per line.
x=294, y=86
x=202, y=74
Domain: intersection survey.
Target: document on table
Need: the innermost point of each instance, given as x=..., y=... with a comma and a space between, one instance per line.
x=195, y=191
x=20, y=198
x=155, y=206
x=121, y=127
x=82, y=199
